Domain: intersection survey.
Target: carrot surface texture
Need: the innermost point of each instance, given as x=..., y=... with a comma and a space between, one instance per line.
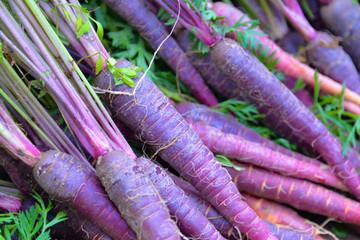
x=259, y=86
x=298, y=193
x=237, y=148
x=147, y=111
x=286, y=63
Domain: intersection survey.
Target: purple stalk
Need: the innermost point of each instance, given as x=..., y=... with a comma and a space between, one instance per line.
x=9, y=203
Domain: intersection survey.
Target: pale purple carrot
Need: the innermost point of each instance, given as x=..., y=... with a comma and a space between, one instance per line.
x=237, y=148
x=130, y=189
x=298, y=193
x=151, y=28
x=322, y=50
x=342, y=17
x=192, y=223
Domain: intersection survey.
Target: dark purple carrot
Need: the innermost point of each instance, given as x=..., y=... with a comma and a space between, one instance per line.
x=280, y=214
x=298, y=193
x=205, y=66
x=237, y=148
x=322, y=50
x=147, y=111
x=200, y=113
x=154, y=32
x=191, y=222
x=135, y=196
x=286, y=63
x=291, y=42
x=342, y=17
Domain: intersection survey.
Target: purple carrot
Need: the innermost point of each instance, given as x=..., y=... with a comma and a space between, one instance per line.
x=200, y=113
x=298, y=193
x=220, y=223
x=302, y=94
x=211, y=213
x=280, y=214
x=254, y=82
x=205, y=66
x=147, y=111
x=291, y=42
x=69, y=181
x=154, y=32
x=322, y=50
x=135, y=196
x=342, y=17
x=191, y=222
x=237, y=148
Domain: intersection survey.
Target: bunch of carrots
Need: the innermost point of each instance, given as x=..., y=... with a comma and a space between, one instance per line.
x=179, y=119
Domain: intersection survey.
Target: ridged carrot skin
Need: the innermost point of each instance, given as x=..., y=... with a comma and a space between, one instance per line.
x=191, y=222
x=135, y=196
x=200, y=113
x=220, y=223
x=150, y=28
x=151, y=116
x=279, y=214
x=9, y=203
x=298, y=193
x=67, y=180
x=237, y=148
x=282, y=109
x=342, y=17
x=286, y=63
x=206, y=209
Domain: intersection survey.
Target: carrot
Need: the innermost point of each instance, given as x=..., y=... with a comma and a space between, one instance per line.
x=302, y=94
x=220, y=223
x=154, y=32
x=218, y=220
x=68, y=181
x=135, y=196
x=237, y=148
x=298, y=193
x=342, y=17
x=286, y=63
x=200, y=113
x=149, y=114
x=259, y=86
x=191, y=222
x=322, y=51
x=280, y=214
x=291, y=42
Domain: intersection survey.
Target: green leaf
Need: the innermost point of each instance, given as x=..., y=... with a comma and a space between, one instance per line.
x=99, y=65
x=340, y=230
x=84, y=29
x=227, y=163
x=299, y=84
x=99, y=28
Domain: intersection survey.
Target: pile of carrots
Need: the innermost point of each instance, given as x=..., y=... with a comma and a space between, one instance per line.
x=128, y=157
